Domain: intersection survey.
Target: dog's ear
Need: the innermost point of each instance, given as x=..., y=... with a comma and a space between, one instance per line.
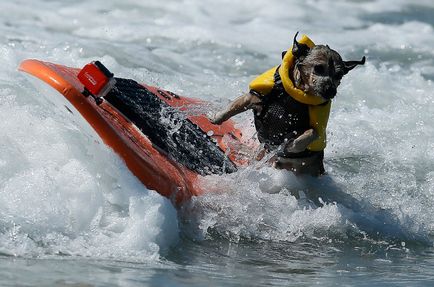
x=297, y=75
x=349, y=65
x=299, y=50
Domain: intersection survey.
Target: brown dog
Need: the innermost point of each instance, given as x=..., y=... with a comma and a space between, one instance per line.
x=291, y=104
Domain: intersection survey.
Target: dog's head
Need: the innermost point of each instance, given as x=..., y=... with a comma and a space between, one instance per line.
x=319, y=70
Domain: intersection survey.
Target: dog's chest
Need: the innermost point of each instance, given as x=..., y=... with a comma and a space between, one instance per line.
x=281, y=118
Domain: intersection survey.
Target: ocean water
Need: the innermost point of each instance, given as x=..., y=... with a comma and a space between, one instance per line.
x=71, y=214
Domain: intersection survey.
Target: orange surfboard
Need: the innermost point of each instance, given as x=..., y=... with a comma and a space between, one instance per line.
x=164, y=144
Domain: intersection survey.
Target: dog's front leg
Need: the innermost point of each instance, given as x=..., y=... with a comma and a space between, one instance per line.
x=239, y=105
x=301, y=143
x=297, y=165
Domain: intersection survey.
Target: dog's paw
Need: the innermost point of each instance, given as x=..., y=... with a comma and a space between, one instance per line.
x=216, y=118
x=302, y=142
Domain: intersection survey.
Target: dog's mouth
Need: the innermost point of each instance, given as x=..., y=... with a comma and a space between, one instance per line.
x=327, y=91
x=323, y=89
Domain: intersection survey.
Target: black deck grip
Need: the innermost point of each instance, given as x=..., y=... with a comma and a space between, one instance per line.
x=169, y=129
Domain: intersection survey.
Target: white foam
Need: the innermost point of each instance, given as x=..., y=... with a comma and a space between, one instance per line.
x=64, y=192
x=259, y=204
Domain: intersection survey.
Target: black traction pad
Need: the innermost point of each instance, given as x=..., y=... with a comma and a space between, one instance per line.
x=169, y=129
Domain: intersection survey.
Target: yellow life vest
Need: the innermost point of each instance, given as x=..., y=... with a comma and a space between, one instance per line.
x=319, y=108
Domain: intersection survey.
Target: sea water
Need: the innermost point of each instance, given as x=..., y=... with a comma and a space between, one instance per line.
x=71, y=213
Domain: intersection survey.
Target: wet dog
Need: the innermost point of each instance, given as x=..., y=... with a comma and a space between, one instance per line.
x=291, y=105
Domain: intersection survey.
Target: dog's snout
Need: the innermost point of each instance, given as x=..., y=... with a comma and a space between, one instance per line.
x=329, y=90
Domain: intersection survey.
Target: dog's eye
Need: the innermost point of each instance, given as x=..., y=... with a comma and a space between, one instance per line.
x=319, y=69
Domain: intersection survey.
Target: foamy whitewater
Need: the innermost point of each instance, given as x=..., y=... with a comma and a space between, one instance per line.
x=71, y=213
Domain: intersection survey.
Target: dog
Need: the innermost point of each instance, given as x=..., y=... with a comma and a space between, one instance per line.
x=291, y=105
